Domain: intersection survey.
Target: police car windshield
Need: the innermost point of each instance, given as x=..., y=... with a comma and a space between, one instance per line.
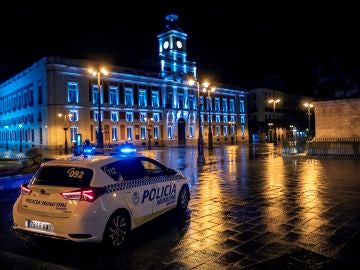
x=62, y=176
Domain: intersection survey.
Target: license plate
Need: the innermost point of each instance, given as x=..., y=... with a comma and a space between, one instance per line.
x=38, y=225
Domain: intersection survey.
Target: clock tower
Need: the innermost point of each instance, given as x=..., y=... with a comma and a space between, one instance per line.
x=172, y=51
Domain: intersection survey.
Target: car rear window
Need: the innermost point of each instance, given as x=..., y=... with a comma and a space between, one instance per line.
x=62, y=176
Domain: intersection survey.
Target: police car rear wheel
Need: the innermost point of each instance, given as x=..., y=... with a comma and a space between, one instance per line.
x=183, y=200
x=117, y=230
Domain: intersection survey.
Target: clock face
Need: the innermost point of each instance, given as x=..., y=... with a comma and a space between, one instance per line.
x=166, y=44
x=179, y=44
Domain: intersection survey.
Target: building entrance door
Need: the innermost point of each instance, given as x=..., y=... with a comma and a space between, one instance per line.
x=181, y=131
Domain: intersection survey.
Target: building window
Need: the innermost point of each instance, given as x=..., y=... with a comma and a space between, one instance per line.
x=242, y=106
x=142, y=98
x=114, y=116
x=225, y=119
x=156, y=132
x=180, y=101
x=143, y=116
x=217, y=131
x=143, y=132
x=39, y=93
x=41, y=136
x=209, y=104
x=191, y=132
x=202, y=102
x=217, y=118
x=95, y=95
x=74, y=115
x=217, y=104
x=115, y=135
x=129, y=116
x=73, y=132
x=114, y=95
x=73, y=92
x=191, y=102
x=242, y=130
x=156, y=117
x=169, y=132
x=225, y=104
x=129, y=100
x=96, y=116
x=225, y=130
x=232, y=118
x=232, y=105
x=242, y=119
x=155, y=99
x=31, y=98
x=129, y=133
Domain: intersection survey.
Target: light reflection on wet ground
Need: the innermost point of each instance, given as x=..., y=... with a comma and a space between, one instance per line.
x=249, y=206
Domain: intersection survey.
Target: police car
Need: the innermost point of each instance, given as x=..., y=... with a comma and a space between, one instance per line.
x=99, y=198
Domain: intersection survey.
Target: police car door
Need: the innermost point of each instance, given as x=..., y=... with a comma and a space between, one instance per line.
x=163, y=195
x=136, y=189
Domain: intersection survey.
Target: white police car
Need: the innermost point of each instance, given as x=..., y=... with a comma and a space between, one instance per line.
x=100, y=198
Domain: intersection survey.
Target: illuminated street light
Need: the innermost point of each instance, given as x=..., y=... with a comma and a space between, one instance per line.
x=308, y=106
x=7, y=137
x=274, y=102
x=66, y=117
x=20, y=148
x=200, y=142
x=100, y=138
x=233, y=129
x=149, y=121
x=270, y=127
x=207, y=89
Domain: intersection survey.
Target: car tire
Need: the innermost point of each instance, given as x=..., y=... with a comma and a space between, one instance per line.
x=117, y=230
x=183, y=200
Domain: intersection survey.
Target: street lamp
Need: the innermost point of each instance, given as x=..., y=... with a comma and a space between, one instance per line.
x=308, y=106
x=7, y=137
x=20, y=148
x=100, y=138
x=66, y=116
x=148, y=124
x=274, y=101
x=232, y=128
x=270, y=128
x=200, y=142
x=209, y=90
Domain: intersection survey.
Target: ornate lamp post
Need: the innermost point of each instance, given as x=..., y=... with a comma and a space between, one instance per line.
x=209, y=90
x=274, y=101
x=20, y=133
x=233, y=129
x=308, y=106
x=270, y=128
x=200, y=141
x=7, y=137
x=66, y=116
x=148, y=125
x=100, y=136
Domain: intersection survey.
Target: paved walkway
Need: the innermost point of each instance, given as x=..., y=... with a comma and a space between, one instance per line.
x=250, y=209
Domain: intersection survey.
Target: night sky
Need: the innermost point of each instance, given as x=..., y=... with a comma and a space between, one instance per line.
x=277, y=46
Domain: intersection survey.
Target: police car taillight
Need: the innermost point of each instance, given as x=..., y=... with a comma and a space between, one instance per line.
x=25, y=190
x=84, y=194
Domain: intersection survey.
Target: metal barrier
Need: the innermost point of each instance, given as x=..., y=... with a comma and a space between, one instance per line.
x=338, y=147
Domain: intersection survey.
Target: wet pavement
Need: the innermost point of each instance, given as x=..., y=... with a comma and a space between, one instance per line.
x=251, y=208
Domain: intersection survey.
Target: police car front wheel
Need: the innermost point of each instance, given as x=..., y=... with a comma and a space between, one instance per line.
x=183, y=200
x=117, y=230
